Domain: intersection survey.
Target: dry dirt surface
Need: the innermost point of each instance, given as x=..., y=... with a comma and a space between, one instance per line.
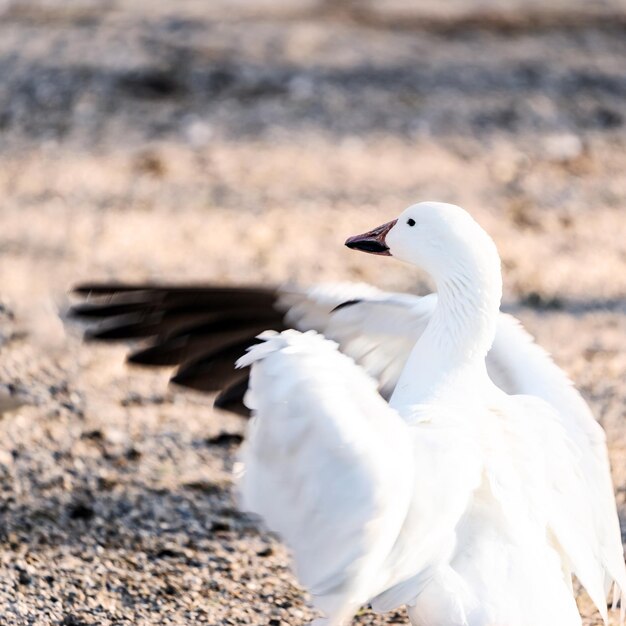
x=236, y=142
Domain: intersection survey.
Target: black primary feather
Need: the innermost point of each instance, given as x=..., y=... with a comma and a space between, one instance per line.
x=201, y=329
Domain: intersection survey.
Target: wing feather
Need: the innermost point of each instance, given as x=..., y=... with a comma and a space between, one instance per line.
x=531, y=371
x=328, y=465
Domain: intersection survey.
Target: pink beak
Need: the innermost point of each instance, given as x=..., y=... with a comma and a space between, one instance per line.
x=373, y=241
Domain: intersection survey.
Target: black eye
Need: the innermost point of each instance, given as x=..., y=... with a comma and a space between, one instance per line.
x=410, y=221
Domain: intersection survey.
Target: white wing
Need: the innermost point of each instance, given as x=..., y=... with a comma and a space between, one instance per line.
x=531, y=372
x=555, y=482
x=336, y=472
x=378, y=329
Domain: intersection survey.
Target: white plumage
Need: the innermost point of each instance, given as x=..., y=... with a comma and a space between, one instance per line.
x=468, y=504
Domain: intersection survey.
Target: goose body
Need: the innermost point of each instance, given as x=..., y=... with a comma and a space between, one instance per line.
x=438, y=459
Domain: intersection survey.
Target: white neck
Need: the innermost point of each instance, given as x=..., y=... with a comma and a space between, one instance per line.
x=447, y=364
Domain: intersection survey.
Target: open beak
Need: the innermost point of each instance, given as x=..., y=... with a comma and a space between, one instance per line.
x=372, y=242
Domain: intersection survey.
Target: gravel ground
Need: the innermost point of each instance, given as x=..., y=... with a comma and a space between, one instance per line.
x=241, y=142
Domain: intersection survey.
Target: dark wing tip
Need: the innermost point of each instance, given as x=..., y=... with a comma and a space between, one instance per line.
x=345, y=304
x=196, y=380
x=231, y=398
x=156, y=356
x=201, y=328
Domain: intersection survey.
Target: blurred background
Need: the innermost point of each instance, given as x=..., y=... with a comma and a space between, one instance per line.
x=241, y=141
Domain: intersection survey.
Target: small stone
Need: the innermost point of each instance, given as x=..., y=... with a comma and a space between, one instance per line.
x=81, y=511
x=72, y=620
x=132, y=454
x=205, y=486
x=150, y=163
x=563, y=148
x=220, y=526
x=23, y=577
x=168, y=553
x=225, y=439
x=170, y=590
x=265, y=552
x=92, y=435
x=198, y=132
x=535, y=300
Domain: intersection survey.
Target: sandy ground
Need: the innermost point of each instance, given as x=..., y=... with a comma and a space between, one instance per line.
x=242, y=142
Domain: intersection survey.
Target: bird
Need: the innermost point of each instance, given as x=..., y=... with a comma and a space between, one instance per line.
x=418, y=452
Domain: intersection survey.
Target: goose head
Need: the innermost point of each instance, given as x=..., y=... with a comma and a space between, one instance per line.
x=445, y=241
x=441, y=239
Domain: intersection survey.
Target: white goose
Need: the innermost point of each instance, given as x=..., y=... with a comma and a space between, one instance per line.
x=470, y=506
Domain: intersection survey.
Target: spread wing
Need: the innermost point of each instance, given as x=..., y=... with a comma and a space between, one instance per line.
x=532, y=372
x=203, y=330
x=333, y=469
